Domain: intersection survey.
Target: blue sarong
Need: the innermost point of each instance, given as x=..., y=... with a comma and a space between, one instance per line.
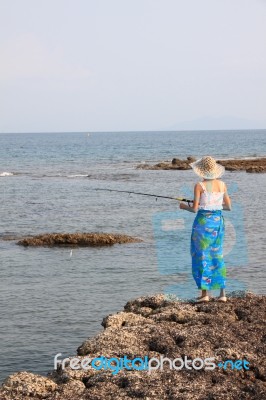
x=208, y=268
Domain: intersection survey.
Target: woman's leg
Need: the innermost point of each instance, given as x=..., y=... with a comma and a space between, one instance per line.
x=222, y=296
x=204, y=296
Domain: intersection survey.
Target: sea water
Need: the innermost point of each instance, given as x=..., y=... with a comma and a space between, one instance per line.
x=50, y=302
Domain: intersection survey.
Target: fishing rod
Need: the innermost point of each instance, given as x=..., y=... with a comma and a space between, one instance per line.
x=147, y=194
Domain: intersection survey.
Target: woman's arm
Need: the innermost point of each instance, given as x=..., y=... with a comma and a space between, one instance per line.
x=226, y=200
x=195, y=207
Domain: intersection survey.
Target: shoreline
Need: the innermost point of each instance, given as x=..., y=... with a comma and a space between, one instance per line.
x=156, y=326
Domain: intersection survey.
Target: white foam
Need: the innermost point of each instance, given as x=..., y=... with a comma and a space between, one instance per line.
x=6, y=174
x=77, y=175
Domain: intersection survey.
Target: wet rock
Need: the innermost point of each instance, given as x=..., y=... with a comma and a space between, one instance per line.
x=76, y=239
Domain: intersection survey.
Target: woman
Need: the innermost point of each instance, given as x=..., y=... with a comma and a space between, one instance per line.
x=210, y=198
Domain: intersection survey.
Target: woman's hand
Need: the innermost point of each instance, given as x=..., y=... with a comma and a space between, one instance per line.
x=182, y=206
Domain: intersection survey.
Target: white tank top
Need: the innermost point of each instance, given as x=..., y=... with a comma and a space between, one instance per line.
x=211, y=200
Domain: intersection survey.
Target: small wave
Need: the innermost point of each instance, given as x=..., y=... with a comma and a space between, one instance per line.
x=77, y=175
x=252, y=157
x=112, y=177
x=6, y=174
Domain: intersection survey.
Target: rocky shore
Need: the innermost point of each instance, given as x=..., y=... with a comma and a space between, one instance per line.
x=249, y=165
x=157, y=326
x=76, y=239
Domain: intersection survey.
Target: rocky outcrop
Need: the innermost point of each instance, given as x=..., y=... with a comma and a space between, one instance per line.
x=249, y=165
x=258, y=169
x=176, y=163
x=27, y=385
x=156, y=326
x=76, y=239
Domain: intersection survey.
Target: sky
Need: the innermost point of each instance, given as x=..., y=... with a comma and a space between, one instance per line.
x=132, y=65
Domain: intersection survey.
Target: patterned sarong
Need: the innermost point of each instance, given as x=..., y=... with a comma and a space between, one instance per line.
x=207, y=236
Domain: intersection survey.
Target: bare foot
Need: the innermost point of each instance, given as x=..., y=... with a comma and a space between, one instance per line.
x=202, y=299
x=223, y=299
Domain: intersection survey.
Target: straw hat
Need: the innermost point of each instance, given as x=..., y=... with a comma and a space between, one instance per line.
x=208, y=168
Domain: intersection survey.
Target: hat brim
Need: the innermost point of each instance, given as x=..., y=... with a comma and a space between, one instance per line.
x=217, y=172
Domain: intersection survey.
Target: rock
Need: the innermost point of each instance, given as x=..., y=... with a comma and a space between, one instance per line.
x=159, y=326
x=184, y=166
x=250, y=165
x=152, y=302
x=77, y=239
x=232, y=168
x=26, y=384
x=257, y=169
x=123, y=319
x=176, y=161
x=72, y=388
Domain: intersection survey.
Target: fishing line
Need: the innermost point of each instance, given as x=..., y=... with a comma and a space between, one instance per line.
x=146, y=194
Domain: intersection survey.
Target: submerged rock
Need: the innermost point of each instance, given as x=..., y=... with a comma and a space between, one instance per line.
x=156, y=326
x=77, y=239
